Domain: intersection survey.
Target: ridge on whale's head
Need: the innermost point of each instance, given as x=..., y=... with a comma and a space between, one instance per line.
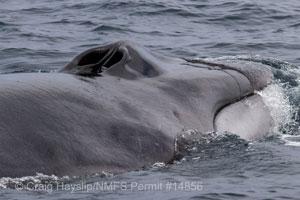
x=126, y=59
x=123, y=59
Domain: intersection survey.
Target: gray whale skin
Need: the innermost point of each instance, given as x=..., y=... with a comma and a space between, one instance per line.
x=119, y=107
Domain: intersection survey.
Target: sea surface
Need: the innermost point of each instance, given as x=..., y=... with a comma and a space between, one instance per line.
x=43, y=35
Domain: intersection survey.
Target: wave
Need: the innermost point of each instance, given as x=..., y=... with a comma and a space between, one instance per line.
x=39, y=178
x=193, y=144
x=3, y=24
x=295, y=25
x=8, y=27
x=109, y=28
x=132, y=4
x=13, y=52
x=32, y=183
x=67, y=21
x=283, y=17
x=168, y=11
x=37, y=11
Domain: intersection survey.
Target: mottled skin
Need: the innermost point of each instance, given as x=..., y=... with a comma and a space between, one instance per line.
x=114, y=108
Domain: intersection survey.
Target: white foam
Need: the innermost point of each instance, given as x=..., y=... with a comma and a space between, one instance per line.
x=291, y=140
x=281, y=112
x=278, y=104
x=7, y=182
x=159, y=165
x=237, y=57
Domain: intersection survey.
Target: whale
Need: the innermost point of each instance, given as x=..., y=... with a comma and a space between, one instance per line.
x=120, y=107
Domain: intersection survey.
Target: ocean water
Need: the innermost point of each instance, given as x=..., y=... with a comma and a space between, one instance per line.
x=42, y=36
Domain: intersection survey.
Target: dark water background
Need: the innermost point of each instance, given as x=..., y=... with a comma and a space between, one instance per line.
x=44, y=35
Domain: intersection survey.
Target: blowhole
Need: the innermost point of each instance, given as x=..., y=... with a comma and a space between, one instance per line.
x=92, y=58
x=103, y=59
